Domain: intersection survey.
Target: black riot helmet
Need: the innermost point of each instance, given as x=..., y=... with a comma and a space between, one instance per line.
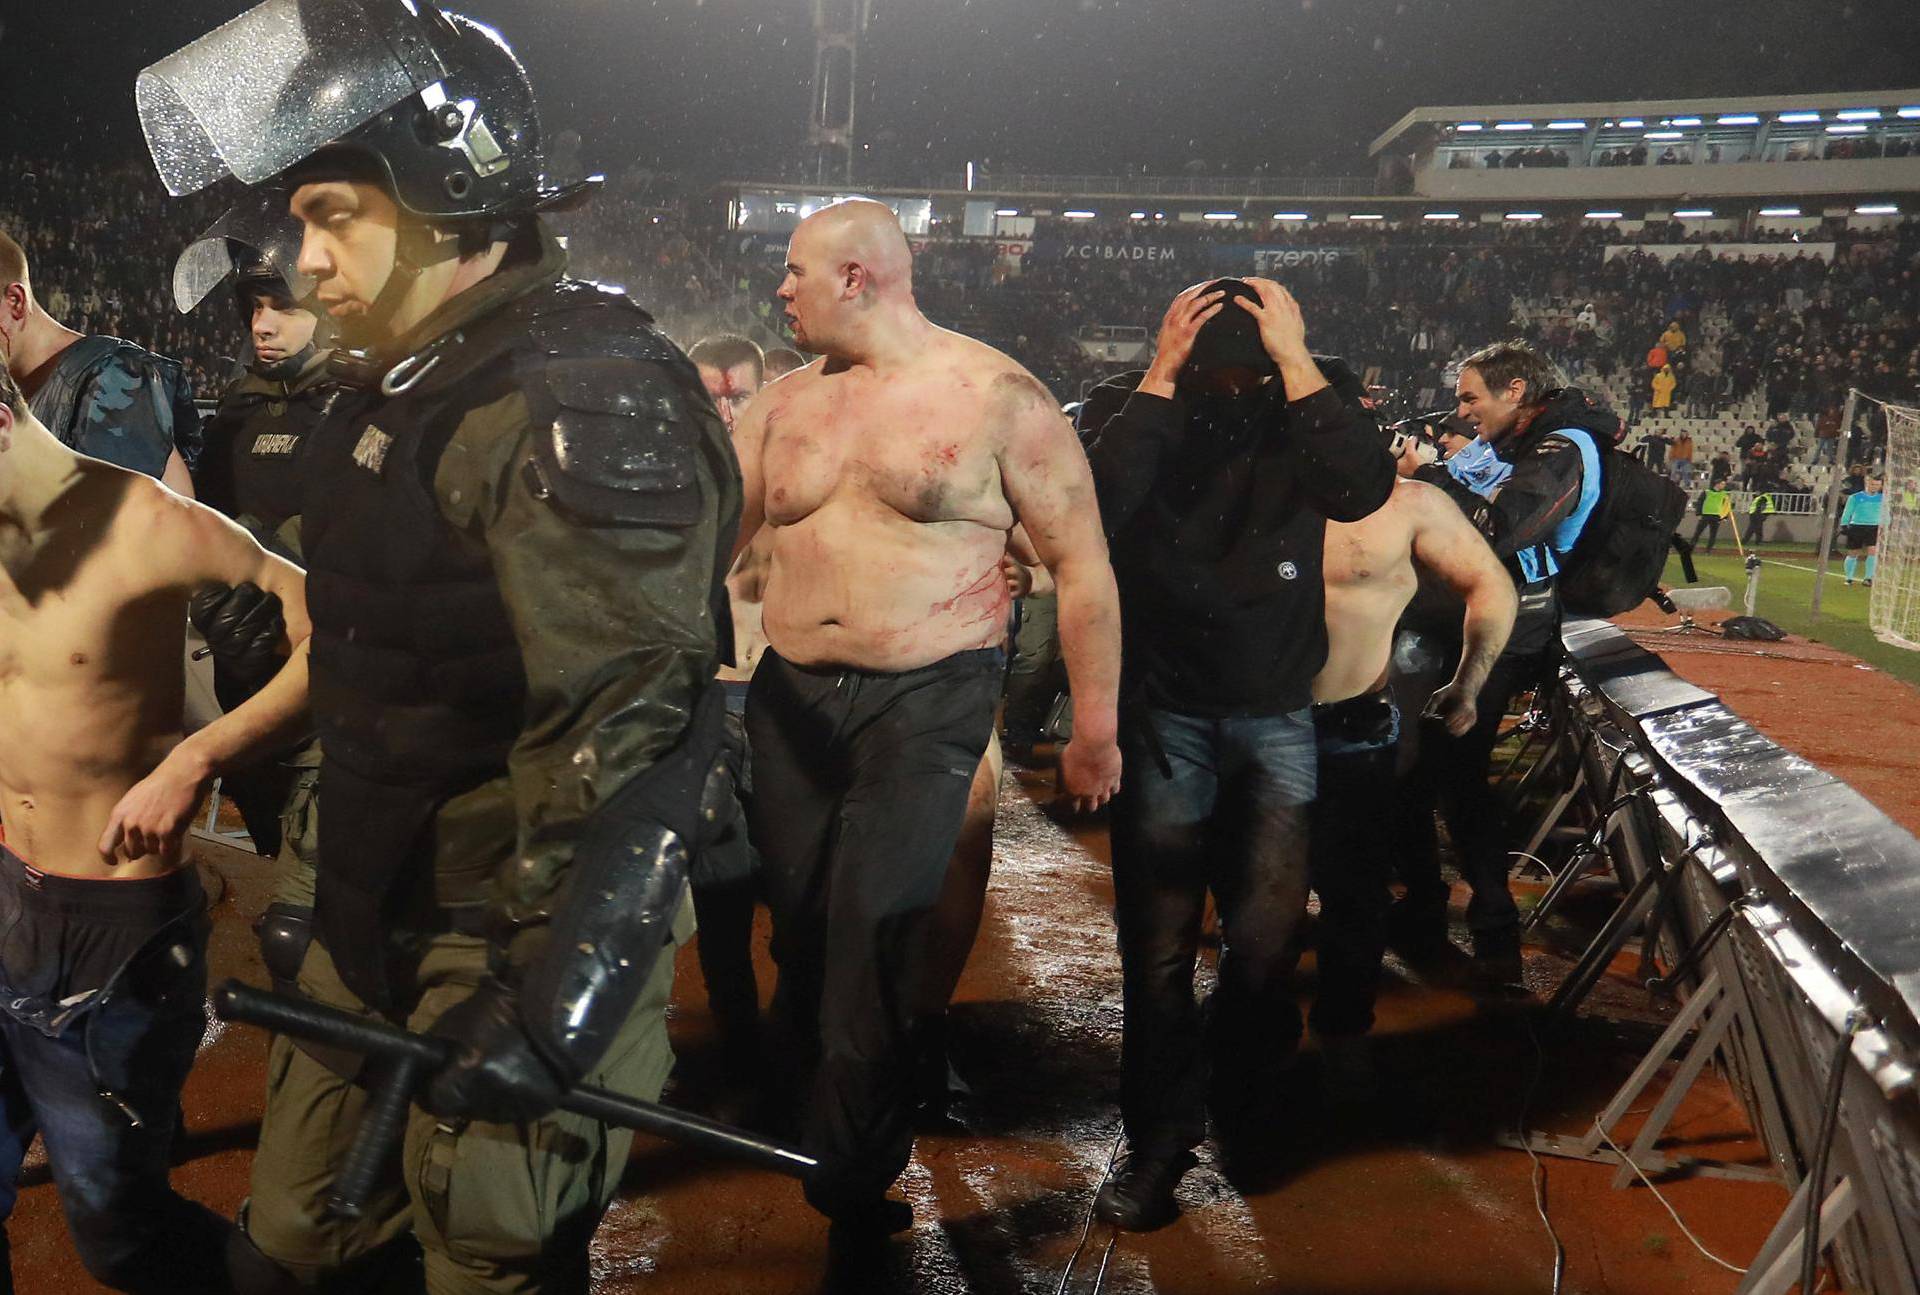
x=433, y=102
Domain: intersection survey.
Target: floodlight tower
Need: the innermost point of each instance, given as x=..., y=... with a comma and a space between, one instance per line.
x=837, y=26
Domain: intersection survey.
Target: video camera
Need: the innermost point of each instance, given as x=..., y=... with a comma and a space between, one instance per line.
x=1421, y=430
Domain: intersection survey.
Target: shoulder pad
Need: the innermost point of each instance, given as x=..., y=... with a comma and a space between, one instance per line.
x=622, y=446
x=603, y=331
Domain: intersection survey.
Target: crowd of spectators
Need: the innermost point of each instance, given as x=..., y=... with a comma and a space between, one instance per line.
x=1401, y=302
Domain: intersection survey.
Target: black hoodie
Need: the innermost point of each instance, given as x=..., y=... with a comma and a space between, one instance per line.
x=1216, y=510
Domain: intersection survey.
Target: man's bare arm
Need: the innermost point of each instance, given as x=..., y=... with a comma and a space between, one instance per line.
x=1027, y=575
x=1047, y=480
x=191, y=546
x=1451, y=547
x=749, y=438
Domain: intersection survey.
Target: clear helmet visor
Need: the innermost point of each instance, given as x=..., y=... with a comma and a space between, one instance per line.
x=285, y=78
x=258, y=227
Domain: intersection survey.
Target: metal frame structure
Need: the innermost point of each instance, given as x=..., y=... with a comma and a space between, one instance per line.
x=1782, y=904
x=837, y=28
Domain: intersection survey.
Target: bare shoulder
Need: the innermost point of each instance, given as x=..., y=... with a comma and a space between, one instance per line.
x=1424, y=505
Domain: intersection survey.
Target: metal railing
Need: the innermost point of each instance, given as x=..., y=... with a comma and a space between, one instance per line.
x=1779, y=903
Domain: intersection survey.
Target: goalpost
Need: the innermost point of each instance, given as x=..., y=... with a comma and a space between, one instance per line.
x=1894, y=611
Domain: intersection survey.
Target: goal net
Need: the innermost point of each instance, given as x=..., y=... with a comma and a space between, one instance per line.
x=1895, y=608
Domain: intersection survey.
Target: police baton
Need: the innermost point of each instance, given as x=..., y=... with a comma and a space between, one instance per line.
x=404, y=1060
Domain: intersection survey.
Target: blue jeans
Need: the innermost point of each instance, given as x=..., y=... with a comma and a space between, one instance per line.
x=78, y=1073
x=1220, y=805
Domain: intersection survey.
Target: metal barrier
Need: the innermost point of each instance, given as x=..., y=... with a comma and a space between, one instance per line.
x=1786, y=910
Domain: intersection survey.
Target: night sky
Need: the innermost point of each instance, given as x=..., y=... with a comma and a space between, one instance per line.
x=721, y=87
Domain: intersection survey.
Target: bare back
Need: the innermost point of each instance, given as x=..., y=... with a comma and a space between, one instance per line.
x=1368, y=568
x=91, y=686
x=887, y=506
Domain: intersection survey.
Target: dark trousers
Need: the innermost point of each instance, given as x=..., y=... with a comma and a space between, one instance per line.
x=725, y=884
x=1220, y=805
x=1711, y=525
x=860, y=787
x=1352, y=856
x=1452, y=773
x=102, y=1007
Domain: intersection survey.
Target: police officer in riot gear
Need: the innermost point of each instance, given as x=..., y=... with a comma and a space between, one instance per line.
x=516, y=522
x=251, y=469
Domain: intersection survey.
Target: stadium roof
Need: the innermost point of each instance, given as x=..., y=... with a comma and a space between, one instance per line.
x=1841, y=99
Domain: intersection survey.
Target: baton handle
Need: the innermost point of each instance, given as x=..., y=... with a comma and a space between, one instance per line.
x=383, y=1127
x=316, y=1022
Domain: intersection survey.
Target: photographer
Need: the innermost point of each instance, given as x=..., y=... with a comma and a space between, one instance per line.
x=1217, y=470
x=1524, y=485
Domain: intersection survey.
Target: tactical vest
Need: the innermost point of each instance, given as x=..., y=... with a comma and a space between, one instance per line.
x=253, y=467
x=417, y=681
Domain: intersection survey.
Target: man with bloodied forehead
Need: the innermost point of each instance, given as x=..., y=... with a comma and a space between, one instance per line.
x=732, y=369
x=889, y=474
x=1218, y=469
x=516, y=521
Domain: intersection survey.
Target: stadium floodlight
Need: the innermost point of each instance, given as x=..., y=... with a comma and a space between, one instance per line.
x=1514, y=125
x=1291, y=215
x=1525, y=215
x=1797, y=118
x=1693, y=213
x=1632, y=123
x=1136, y=215
x=1910, y=112
x=1441, y=215
x=1078, y=215
x=1846, y=130
x=1365, y=215
x=1606, y=215
x=1779, y=211
x=1666, y=134
x=1877, y=209
x=1683, y=121
x=1566, y=125
x=1221, y=215
x=1468, y=127
x=1737, y=119
x=1006, y=211
x=1859, y=114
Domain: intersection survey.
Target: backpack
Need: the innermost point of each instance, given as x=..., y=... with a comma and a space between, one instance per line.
x=1616, y=560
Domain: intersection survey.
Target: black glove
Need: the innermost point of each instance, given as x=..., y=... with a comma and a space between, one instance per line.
x=494, y=1075
x=244, y=628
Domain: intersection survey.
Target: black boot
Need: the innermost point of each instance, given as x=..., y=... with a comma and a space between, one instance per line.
x=1138, y=1194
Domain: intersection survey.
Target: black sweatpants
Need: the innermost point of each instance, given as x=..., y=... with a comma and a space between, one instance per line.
x=860, y=787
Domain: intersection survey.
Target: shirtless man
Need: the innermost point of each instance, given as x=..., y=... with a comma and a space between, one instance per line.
x=890, y=473
x=1371, y=577
x=102, y=960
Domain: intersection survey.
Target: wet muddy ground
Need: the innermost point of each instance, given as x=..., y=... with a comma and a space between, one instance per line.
x=1412, y=1192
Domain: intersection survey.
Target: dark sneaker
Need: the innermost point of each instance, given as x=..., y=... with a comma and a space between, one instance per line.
x=1138, y=1195
x=1496, y=957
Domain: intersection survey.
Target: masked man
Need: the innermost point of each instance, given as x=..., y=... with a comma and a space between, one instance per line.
x=1218, y=470
x=517, y=522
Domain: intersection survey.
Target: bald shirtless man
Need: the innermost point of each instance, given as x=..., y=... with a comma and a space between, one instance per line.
x=889, y=473
x=102, y=927
x=1372, y=569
